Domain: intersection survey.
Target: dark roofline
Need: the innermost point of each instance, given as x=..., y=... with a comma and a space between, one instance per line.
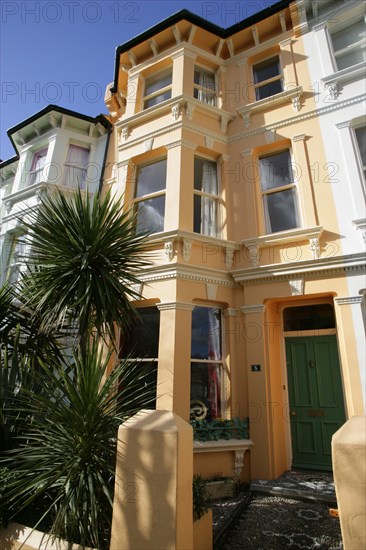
x=49, y=109
x=4, y=163
x=200, y=22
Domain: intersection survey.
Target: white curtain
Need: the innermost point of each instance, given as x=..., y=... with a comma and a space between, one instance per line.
x=76, y=166
x=38, y=164
x=214, y=353
x=207, y=82
x=208, y=205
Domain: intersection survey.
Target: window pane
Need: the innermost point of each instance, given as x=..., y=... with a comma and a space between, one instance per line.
x=268, y=89
x=205, y=216
x=157, y=99
x=351, y=58
x=151, y=178
x=348, y=36
x=205, y=391
x=206, y=333
x=308, y=317
x=157, y=83
x=276, y=170
x=143, y=340
x=266, y=69
x=361, y=140
x=150, y=215
x=280, y=210
x=204, y=79
x=205, y=176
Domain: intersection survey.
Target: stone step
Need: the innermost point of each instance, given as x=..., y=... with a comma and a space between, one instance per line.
x=299, y=486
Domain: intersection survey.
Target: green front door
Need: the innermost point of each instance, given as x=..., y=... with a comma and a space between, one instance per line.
x=316, y=399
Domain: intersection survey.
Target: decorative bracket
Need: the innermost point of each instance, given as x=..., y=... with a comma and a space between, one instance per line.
x=169, y=250
x=187, y=248
x=315, y=248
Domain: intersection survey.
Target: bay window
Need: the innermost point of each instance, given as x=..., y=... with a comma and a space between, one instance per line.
x=141, y=345
x=158, y=88
x=349, y=44
x=37, y=168
x=76, y=166
x=206, y=198
x=267, y=78
x=278, y=190
x=150, y=197
x=204, y=86
x=206, y=363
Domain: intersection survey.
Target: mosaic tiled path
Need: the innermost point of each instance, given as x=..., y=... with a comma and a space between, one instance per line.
x=291, y=512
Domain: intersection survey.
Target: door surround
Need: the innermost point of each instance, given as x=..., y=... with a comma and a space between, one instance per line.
x=303, y=334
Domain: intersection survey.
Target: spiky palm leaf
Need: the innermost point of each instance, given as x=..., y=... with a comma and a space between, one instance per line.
x=85, y=257
x=67, y=451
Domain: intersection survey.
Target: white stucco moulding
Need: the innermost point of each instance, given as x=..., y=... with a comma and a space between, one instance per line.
x=348, y=300
x=292, y=94
x=259, y=308
x=175, y=305
x=311, y=234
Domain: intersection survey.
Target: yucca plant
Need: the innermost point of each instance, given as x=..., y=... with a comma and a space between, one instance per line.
x=85, y=257
x=67, y=450
x=22, y=345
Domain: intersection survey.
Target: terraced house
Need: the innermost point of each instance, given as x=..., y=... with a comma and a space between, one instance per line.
x=242, y=151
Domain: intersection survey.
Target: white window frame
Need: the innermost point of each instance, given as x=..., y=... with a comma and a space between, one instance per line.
x=209, y=196
x=36, y=175
x=221, y=363
x=212, y=93
x=16, y=257
x=354, y=46
x=138, y=200
x=156, y=77
x=76, y=166
x=361, y=162
x=279, y=77
x=265, y=193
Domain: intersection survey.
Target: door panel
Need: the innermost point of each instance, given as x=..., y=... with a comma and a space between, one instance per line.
x=316, y=399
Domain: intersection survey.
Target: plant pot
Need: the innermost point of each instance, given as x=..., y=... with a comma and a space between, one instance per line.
x=202, y=532
x=224, y=488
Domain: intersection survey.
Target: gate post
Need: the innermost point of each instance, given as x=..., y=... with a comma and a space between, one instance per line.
x=153, y=489
x=349, y=469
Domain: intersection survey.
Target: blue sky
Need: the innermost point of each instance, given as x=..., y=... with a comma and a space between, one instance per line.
x=63, y=51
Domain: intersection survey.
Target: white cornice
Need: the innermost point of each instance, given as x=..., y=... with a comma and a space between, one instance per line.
x=298, y=118
x=192, y=273
x=258, y=308
x=175, y=305
x=308, y=268
x=349, y=300
x=269, y=103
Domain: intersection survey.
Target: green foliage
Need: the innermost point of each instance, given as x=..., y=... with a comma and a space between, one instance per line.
x=7, y=476
x=22, y=345
x=220, y=428
x=60, y=405
x=85, y=255
x=67, y=450
x=201, y=499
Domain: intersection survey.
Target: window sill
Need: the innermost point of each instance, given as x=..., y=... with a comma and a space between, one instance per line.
x=239, y=446
x=333, y=81
x=174, y=105
x=311, y=234
x=286, y=96
x=187, y=238
x=37, y=189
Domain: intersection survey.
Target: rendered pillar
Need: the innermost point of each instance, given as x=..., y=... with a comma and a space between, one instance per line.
x=349, y=470
x=153, y=490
